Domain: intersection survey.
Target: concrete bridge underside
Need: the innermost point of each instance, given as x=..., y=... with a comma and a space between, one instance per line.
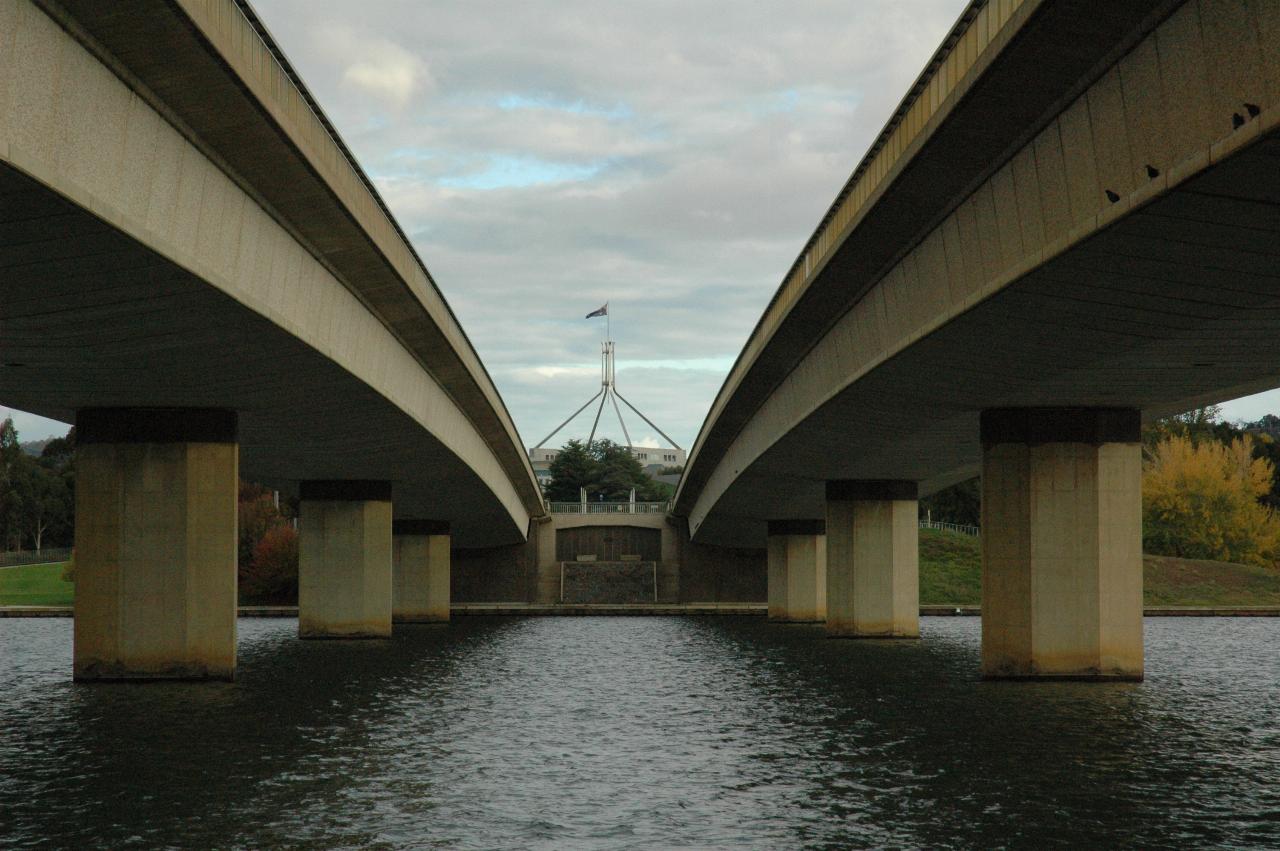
x=1069, y=224
x=92, y=318
x=1177, y=305
x=195, y=271
x=180, y=228
x=1122, y=253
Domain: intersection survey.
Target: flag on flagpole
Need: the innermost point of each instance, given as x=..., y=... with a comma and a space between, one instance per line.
x=600, y=311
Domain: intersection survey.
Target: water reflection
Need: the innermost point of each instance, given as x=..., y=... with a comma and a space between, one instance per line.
x=635, y=732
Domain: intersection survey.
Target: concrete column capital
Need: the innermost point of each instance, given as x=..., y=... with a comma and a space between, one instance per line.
x=797, y=527
x=155, y=425
x=415, y=526
x=857, y=490
x=1033, y=426
x=345, y=490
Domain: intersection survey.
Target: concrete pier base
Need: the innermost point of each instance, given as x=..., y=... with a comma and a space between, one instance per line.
x=420, y=571
x=797, y=554
x=344, y=560
x=155, y=544
x=1062, y=544
x=873, y=587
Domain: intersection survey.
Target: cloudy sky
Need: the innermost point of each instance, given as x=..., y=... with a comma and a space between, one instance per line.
x=670, y=158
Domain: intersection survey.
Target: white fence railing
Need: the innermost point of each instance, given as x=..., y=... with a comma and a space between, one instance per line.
x=607, y=507
x=951, y=527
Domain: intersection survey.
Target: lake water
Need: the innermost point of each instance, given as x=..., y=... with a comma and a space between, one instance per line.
x=643, y=733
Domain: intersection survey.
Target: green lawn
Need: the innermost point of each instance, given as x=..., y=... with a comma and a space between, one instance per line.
x=950, y=568
x=1188, y=582
x=951, y=574
x=35, y=585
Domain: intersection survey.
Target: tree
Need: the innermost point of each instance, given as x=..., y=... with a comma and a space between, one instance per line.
x=48, y=503
x=1198, y=424
x=606, y=470
x=54, y=506
x=60, y=452
x=961, y=503
x=1268, y=422
x=13, y=486
x=1200, y=500
x=1267, y=447
x=37, y=503
x=617, y=471
x=572, y=469
x=10, y=449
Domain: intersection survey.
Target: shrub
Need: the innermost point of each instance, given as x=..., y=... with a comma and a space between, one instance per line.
x=69, y=569
x=271, y=576
x=255, y=515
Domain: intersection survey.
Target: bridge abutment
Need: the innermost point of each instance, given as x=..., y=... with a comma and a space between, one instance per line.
x=797, y=560
x=420, y=571
x=344, y=560
x=873, y=586
x=155, y=540
x=1062, y=543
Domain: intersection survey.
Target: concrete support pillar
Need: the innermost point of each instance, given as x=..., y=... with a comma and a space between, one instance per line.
x=419, y=571
x=797, y=571
x=155, y=537
x=873, y=585
x=1062, y=543
x=344, y=560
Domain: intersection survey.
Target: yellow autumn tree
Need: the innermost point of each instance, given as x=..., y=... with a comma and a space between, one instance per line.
x=1200, y=500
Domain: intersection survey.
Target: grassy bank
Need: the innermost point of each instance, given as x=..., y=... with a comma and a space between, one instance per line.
x=35, y=585
x=951, y=574
x=950, y=569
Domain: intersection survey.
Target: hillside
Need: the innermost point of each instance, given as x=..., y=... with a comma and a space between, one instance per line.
x=951, y=574
x=33, y=447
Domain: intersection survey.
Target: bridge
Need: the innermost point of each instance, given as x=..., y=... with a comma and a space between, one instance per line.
x=199, y=275
x=1068, y=225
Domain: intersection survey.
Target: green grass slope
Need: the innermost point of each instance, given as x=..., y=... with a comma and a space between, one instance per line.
x=951, y=574
x=1190, y=582
x=35, y=585
x=950, y=568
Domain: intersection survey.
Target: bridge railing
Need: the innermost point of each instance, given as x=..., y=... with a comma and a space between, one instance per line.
x=608, y=507
x=44, y=556
x=959, y=528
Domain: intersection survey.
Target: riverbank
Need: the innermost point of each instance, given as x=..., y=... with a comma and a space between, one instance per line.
x=951, y=576
x=950, y=579
x=656, y=609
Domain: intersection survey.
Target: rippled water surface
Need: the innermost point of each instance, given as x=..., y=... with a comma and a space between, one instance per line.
x=643, y=732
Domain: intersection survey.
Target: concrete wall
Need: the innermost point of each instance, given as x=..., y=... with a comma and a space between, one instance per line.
x=497, y=574
x=710, y=574
x=529, y=572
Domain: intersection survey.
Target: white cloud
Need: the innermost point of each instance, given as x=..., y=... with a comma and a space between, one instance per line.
x=375, y=65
